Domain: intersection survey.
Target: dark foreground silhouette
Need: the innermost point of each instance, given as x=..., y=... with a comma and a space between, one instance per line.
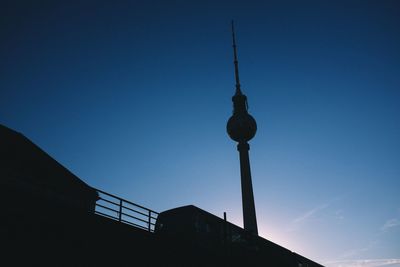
x=49, y=217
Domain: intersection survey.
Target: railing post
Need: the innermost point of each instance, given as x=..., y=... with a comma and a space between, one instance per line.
x=149, y=220
x=120, y=210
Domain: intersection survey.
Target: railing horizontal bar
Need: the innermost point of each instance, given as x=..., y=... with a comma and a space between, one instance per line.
x=106, y=215
x=138, y=206
x=116, y=218
x=125, y=214
x=124, y=221
x=104, y=207
x=109, y=201
x=144, y=214
x=111, y=195
x=136, y=218
x=128, y=204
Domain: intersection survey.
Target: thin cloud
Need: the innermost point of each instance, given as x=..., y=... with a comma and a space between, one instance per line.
x=358, y=251
x=353, y=252
x=305, y=216
x=390, y=224
x=363, y=263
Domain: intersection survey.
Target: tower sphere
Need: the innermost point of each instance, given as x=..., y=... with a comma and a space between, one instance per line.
x=241, y=127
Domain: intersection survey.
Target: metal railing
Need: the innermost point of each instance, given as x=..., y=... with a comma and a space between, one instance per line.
x=124, y=211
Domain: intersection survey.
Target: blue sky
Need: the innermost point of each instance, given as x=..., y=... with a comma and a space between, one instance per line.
x=133, y=97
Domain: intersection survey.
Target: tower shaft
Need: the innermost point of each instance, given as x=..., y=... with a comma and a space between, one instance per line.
x=249, y=210
x=242, y=127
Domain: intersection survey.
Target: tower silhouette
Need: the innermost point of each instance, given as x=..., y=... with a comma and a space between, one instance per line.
x=242, y=127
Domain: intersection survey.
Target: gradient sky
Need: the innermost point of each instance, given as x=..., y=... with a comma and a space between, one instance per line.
x=133, y=97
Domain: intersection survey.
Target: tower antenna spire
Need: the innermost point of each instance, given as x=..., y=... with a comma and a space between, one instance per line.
x=235, y=61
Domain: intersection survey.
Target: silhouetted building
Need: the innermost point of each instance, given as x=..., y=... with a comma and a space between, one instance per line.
x=51, y=218
x=48, y=215
x=29, y=174
x=212, y=241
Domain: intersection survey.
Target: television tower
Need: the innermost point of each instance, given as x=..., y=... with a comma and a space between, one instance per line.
x=242, y=127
